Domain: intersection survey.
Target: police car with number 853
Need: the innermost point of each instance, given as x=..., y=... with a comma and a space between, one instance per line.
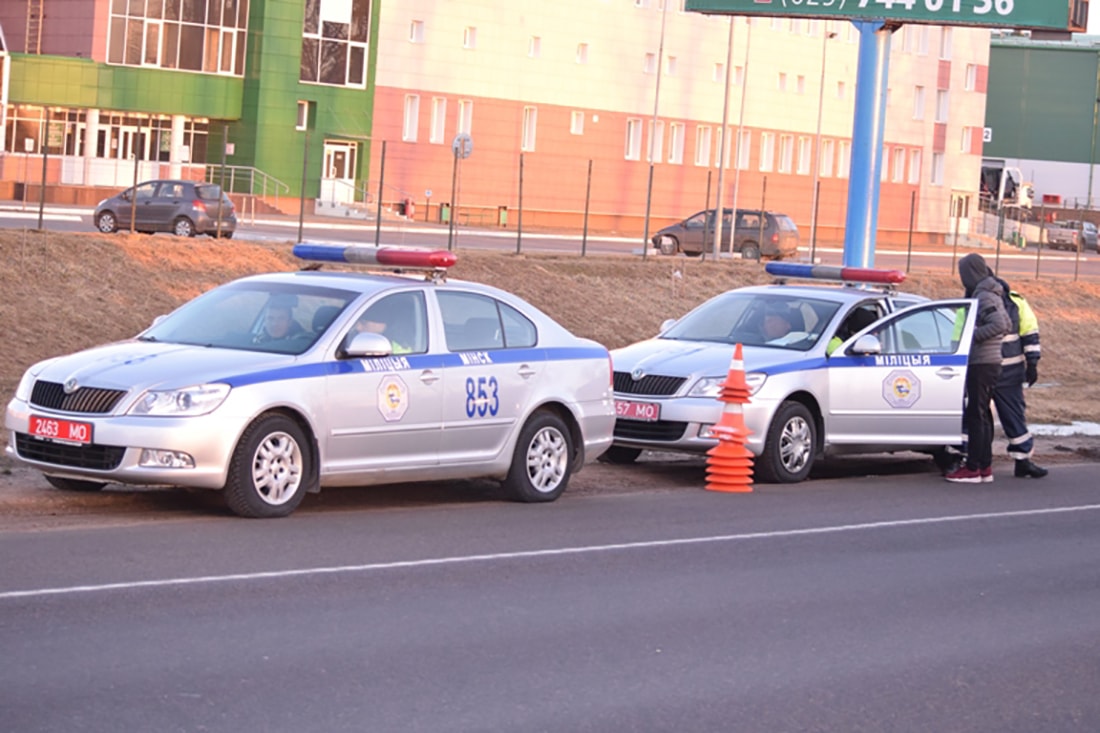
x=275, y=385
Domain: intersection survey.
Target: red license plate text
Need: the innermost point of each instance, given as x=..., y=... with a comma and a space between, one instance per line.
x=647, y=411
x=64, y=430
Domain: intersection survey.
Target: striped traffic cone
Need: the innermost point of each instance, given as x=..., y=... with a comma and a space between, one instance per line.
x=729, y=463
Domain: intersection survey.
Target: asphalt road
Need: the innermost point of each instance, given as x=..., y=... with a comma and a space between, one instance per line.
x=896, y=603
x=1010, y=262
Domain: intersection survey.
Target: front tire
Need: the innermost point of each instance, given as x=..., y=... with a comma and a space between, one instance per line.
x=183, y=227
x=106, y=222
x=267, y=474
x=789, y=446
x=72, y=484
x=543, y=460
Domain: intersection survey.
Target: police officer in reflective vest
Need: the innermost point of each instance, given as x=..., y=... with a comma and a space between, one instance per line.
x=1020, y=354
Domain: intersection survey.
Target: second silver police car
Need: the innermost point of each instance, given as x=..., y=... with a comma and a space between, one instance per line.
x=832, y=370
x=274, y=385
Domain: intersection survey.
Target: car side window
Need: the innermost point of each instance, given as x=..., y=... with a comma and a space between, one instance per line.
x=749, y=221
x=171, y=191
x=146, y=191
x=471, y=321
x=925, y=331
x=401, y=318
x=519, y=332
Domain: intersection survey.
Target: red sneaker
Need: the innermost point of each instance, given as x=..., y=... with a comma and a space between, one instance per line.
x=987, y=475
x=964, y=475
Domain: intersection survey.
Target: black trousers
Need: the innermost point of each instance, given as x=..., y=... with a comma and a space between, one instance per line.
x=1008, y=398
x=981, y=379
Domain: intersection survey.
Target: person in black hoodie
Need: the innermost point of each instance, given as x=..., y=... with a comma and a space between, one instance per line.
x=983, y=368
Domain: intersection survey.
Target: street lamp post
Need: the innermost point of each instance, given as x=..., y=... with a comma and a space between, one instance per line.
x=653, y=128
x=724, y=147
x=817, y=143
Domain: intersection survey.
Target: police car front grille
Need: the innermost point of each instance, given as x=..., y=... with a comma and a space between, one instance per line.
x=651, y=384
x=98, y=457
x=87, y=400
x=665, y=430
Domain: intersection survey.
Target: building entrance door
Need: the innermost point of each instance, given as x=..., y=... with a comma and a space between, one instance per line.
x=338, y=175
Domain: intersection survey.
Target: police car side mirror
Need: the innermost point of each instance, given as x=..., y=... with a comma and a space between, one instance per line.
x=866, y=344
x=362, y=345
x=667, y=324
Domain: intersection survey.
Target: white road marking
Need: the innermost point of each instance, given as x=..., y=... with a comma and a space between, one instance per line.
x=554, y=552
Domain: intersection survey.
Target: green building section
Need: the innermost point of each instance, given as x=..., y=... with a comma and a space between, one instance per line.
x=1042, y=101
x=59, y=81
x=265, y=136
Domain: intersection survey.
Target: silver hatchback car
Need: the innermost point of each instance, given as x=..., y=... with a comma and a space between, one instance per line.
x=275, y=385
x=184, y=208
x=832, y=369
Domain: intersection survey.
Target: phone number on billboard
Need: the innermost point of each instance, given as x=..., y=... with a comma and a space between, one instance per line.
x=982, y=7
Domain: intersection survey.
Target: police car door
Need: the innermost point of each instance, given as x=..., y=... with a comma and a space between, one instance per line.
x=384, y=411
x=901, y=380
x=492, y=367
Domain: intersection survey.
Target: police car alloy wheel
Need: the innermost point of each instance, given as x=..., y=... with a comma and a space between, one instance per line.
x=267, y=476
x=792, y=442
x=543, y=460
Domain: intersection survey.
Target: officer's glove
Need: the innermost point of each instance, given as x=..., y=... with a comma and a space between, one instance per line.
x=1032, y=373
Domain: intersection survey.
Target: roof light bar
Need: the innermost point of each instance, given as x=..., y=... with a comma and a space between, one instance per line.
x=359, y=254
x=832, y=272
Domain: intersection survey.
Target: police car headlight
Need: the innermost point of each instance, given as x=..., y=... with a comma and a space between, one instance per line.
x=186, y=402
x=707, y=387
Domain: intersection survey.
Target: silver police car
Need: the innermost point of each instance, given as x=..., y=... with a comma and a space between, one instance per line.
x=832, y=370
x=274, y=385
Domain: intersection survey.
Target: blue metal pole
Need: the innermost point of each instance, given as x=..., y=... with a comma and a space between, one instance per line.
x=867, y=138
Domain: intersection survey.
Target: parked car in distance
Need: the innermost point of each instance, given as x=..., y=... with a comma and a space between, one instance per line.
x=184, y=208
x=1071, y=234
x=758, y=234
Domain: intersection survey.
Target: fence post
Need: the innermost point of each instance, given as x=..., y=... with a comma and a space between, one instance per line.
x=587, y=202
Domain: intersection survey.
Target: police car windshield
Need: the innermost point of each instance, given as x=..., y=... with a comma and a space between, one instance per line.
x=284, y=318
x=777, y=320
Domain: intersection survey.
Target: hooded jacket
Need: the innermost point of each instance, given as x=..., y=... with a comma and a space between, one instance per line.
x=993, y=322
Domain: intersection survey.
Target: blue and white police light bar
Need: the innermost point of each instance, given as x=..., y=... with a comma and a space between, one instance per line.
x=833, y=272
x=358, y=254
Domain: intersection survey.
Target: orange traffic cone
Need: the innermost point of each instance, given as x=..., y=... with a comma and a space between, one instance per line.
x=729, y=464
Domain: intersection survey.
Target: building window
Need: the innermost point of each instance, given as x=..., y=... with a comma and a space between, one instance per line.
x=641, y=3
x=945, y=43
x=303, y=115
x=334, y=42
x=439, y=120
x=800, y=84
x=582, y=53
x=918, y=103
x=914, y=165
x=719, y=72
x=744, y=149
x=899, y=165
x=465, y=116
x=469, y=37
x=786, y=153
x=634, y=139
x=412, y=118
x=530, y=123
x=922, y=40
x=670, y=65
x=702, y=145
x=655, y=151
x=844, y=159
x=724, y=153
x=416, y=31
x=937, y=169
x=971, y=77
x=782, y=83
x=967, y=139
x=739, y=75
x=841, y=90
x=576, y=123
x=534, y=47
x=169, y=36
x=649, y=66
x=825, y=164
x=805, y=155
x=767, y=150
x=941, y=105
x=795, y=25
x=676, y=143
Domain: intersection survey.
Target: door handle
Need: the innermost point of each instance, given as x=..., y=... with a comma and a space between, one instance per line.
x=946, y=373
x=429, y=377
x=526, y=371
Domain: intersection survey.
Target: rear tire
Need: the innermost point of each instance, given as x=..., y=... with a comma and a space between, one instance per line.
x=269, y=469
x=543, y=460
x=72, y=484
x=750, y=251
x=789, y=446
x=183, y=227
x=106, y=222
